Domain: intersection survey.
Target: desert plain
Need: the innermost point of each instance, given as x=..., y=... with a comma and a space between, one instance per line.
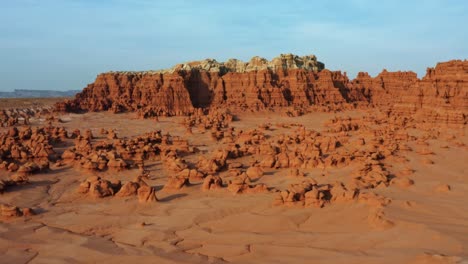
x=277, y=161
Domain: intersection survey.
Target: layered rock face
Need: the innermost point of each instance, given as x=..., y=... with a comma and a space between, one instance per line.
x=441, y=96
x=284, y=62
x=285, y=81
x=131, y=91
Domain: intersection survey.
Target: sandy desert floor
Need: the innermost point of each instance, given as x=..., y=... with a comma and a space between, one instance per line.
x=424, y=222
x=6, y=103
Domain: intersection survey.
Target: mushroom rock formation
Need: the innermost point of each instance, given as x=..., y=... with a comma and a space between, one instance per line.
x=176, y=164
x=20, y=178
x=269, y=161
x=254, y=172
x=309, y=193
x=241, y=185
x=98, y=188
x=295, y=193
x=340, y=193
x=19, y=146
x=89, y=165
x=117, y=163
x=175, y=183
x=8, y=211
x=28, y=169
x=212, y=182
x=68, y=155
x=209, y=165
x=191, y=174
x=31, y=167
x=146, y=194
x=128, y=189
x=371, y=175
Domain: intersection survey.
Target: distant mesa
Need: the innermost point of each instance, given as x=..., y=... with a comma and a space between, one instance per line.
x=289, y=83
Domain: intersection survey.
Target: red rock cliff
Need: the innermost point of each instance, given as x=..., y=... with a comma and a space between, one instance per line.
x=289, y=80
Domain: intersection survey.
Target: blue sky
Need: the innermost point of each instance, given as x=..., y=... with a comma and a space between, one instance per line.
x=64, y=44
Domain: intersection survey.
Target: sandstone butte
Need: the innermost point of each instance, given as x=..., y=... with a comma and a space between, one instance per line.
x=286, y=81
